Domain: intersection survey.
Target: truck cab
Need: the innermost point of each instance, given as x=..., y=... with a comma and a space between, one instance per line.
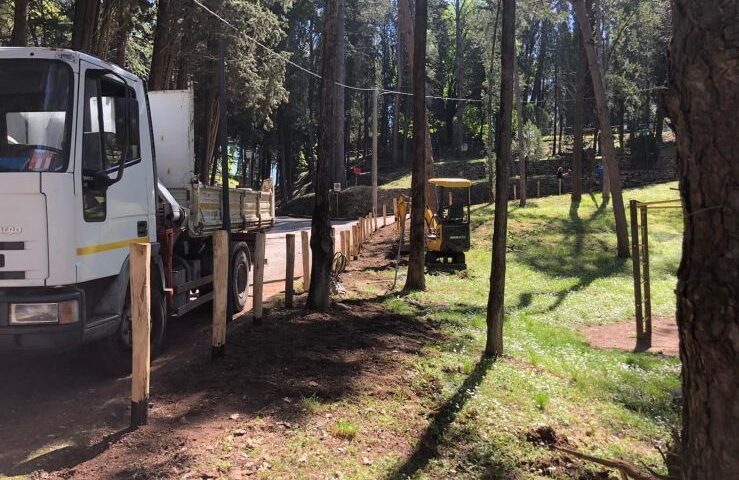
x=78, y=184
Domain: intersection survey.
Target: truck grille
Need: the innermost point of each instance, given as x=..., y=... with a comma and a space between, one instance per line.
x=11, y=275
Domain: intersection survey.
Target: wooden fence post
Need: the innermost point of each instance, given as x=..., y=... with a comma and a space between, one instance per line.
x=305, y=252
x=289, y=269
x=140, y=260
x=636, y=262
x=259, y=276
x=220, y=292
x=647, y=284
x=374, y=221
x=514, y=191
x=384, y=215
x=559, y=180
x=357, y=245
x=538, y=187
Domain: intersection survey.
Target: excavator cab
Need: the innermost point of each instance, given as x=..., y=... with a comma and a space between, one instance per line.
x=448, y=230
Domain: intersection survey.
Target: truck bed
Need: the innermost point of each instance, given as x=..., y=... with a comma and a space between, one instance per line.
x=250, y=209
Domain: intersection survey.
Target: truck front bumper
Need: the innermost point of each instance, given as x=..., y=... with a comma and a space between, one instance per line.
x=50, y=337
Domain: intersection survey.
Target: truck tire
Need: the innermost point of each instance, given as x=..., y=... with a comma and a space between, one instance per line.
x=240, y=270
x=114, y=352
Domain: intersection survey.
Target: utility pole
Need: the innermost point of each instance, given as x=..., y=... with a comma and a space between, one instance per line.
x=222, y=133
x=375, y=94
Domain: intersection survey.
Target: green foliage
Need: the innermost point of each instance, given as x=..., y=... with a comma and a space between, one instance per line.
x=533, y=144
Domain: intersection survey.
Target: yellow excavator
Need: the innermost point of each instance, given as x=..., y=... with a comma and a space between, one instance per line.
x=447, y=230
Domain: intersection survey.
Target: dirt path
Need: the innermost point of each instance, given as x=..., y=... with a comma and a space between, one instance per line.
x=207, y=419
x=622, y=336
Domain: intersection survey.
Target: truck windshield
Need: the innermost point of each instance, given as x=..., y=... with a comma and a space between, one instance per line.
x=35, y=115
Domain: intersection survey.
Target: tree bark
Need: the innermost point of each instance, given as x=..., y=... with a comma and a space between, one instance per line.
x=491, y=115
x=19, y=35
x=338, y=166
x=702, y=103
x=577, y=120
x=396, y=104
x=407, y=32
x=556, y=109
x=521, y=137
x=504, y=137
x=165, y=46
x=85, y=23
x=458, y=76
x=610, y=160
x=416, y=279
x=330, y=143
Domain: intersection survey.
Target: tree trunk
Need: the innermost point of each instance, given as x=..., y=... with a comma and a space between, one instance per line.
x=164, y=47
x=19, y=36
x=621, y=116
x=338, y=173
x=416, y=279
x=611, y=162
x=562, y=120
x=577, y=120
x=702, y=104
x=405, y=15
x=503, y=137
x=458, y=78
x=85, y=23
x=521, y=137
x=556, y=109
x=537, y=92
x=330, y=144
x=396, y=105
x=491, y=141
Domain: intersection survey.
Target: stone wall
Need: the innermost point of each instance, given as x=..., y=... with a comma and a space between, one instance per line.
x=542, y=174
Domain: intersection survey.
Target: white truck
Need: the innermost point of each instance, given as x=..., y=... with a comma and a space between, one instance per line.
x=89, y=163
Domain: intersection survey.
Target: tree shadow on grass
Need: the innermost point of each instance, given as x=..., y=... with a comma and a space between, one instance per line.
x=579, y=254
x=433, y=438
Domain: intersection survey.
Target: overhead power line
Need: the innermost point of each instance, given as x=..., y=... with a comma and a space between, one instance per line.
x=314, y=74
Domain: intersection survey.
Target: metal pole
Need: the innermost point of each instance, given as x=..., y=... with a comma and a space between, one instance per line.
x=222, y=134
x=375, y=94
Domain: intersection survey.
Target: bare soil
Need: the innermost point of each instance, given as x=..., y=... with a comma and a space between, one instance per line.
x=61, y=418
x=622, y=336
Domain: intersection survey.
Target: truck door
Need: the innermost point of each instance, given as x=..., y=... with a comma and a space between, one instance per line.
x=110, y=217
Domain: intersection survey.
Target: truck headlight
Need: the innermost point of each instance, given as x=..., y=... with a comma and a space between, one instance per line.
x=43, y=313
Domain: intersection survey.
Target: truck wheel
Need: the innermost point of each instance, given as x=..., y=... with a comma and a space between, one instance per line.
x=115, y=351
x=240, y=268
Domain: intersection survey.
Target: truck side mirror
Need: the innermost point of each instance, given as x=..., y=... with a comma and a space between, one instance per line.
x=100, y=177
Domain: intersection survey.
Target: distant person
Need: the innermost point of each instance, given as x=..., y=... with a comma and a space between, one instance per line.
x=599, y=175
x=562, y=173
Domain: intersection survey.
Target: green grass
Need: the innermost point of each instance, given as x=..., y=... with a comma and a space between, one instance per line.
x=452, y=414
x=346, y=429
x=562, y=274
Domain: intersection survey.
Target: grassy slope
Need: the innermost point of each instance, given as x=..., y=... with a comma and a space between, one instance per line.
x=561, y=274
x=471, y=416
